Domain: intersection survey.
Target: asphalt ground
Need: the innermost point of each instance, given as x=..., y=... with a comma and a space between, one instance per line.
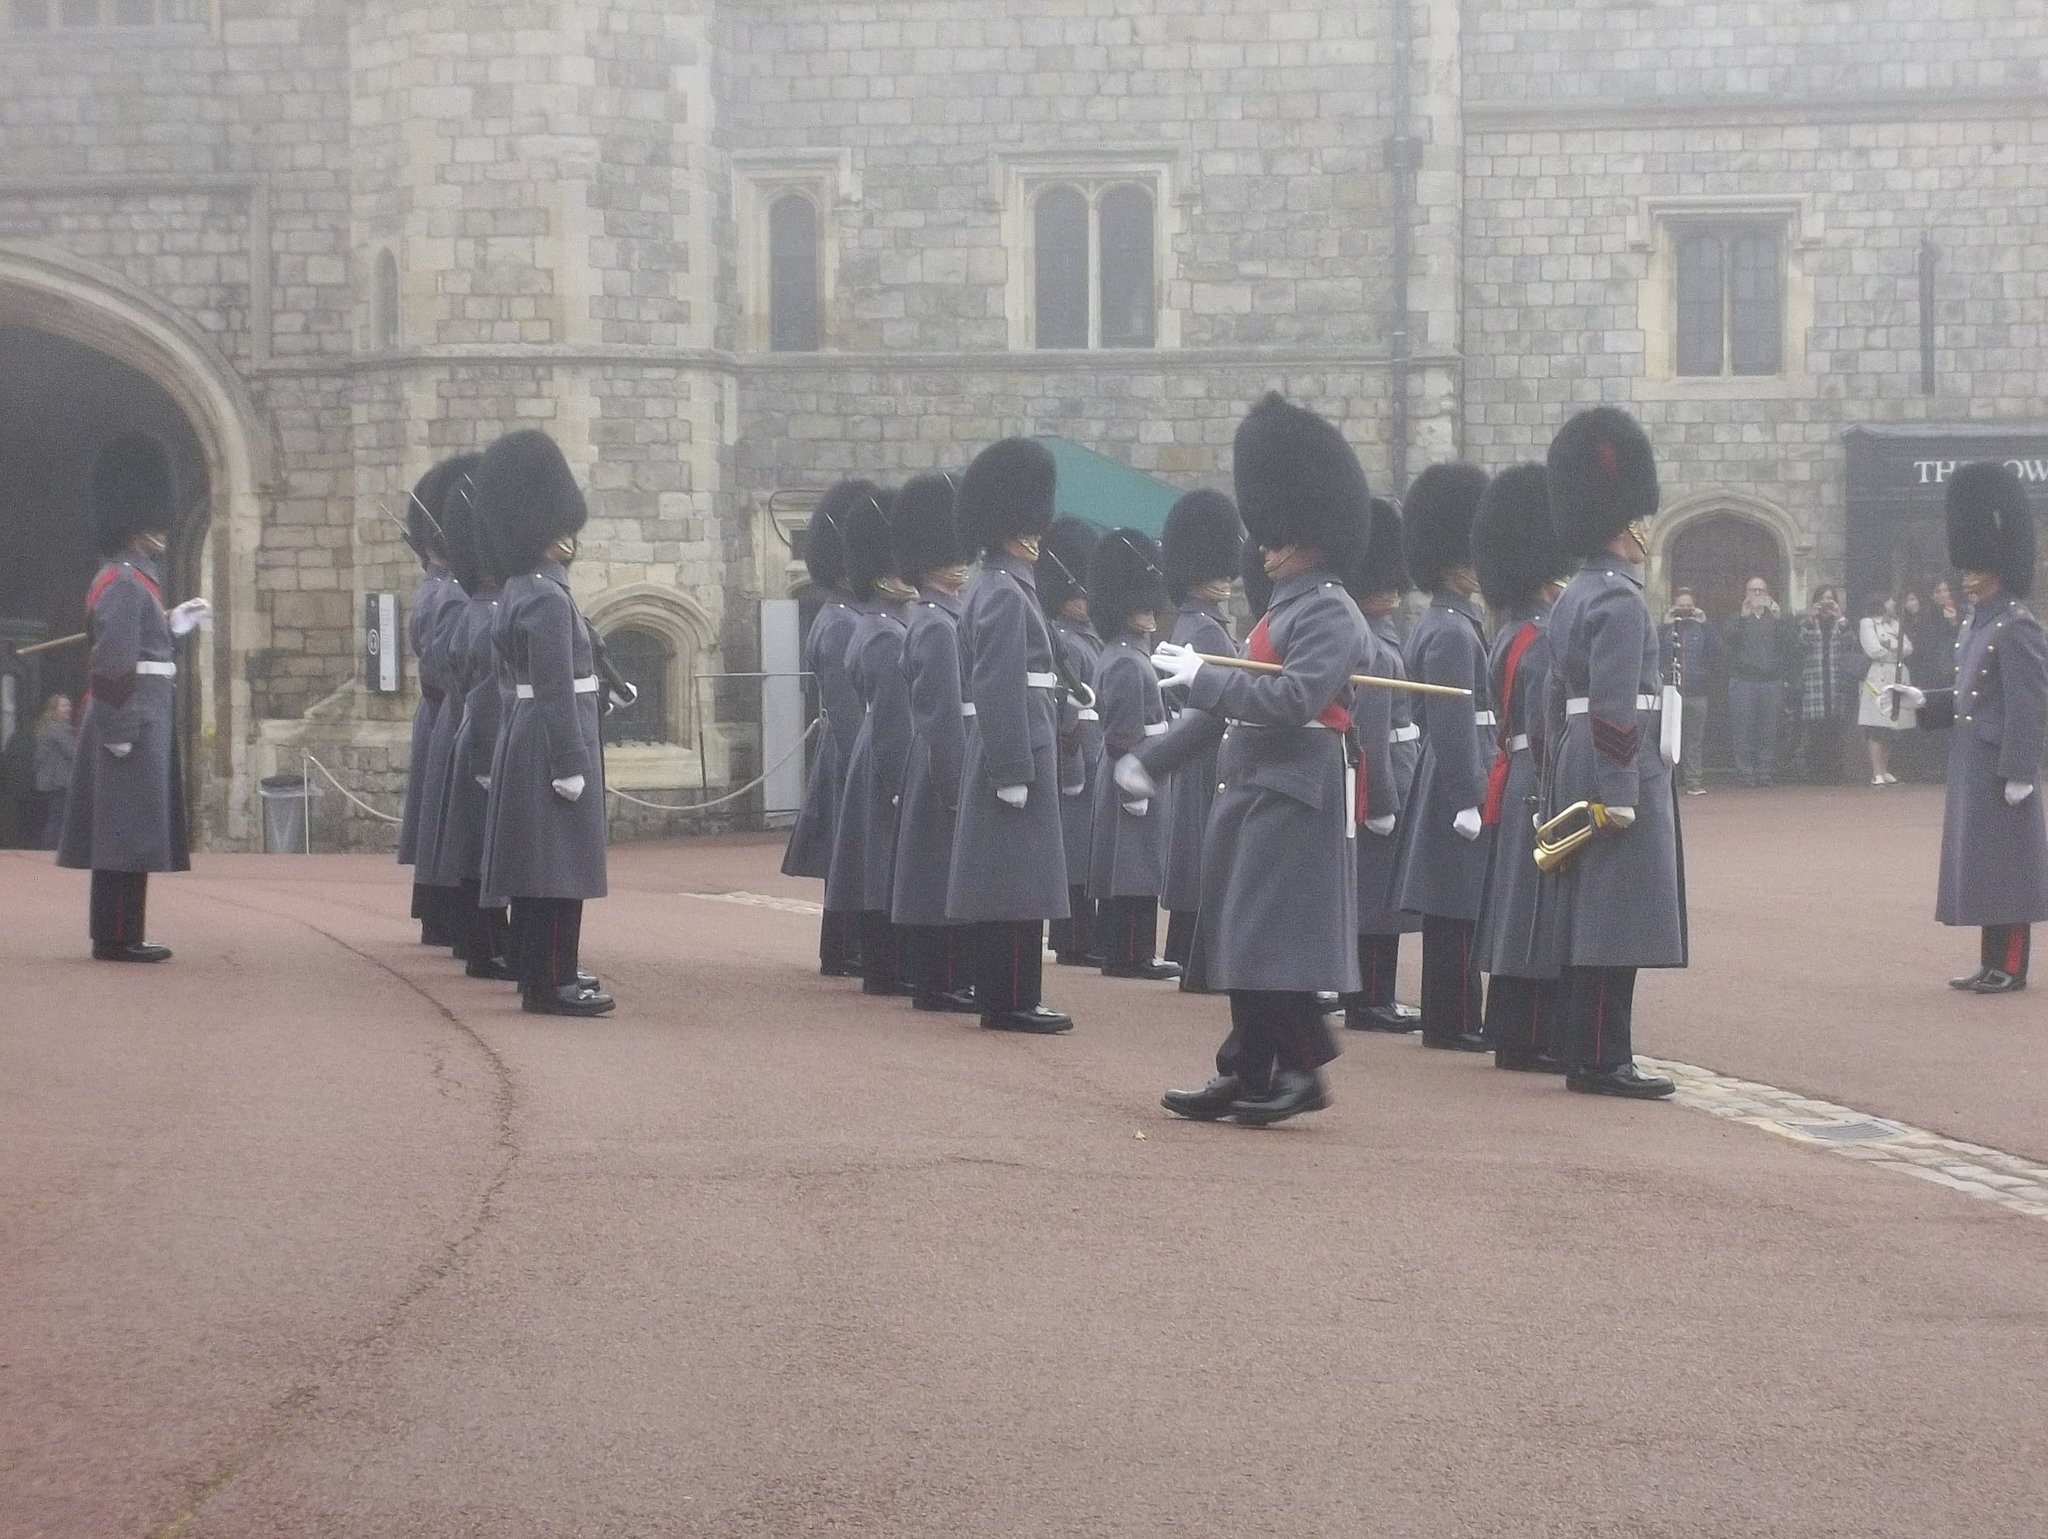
x=306, y=1235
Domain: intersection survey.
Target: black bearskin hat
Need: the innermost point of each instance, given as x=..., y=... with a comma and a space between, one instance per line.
x=1007, y=493
x=133, y=492
x=825, y=535
x=1380, y=569
x=1603, y=477
x=1258, y=587
x=927, y=535
x=423, y=507
x=527, y=498
x=1202, y=542
x=1299, y=483
x=1124, y=578
x=1436, y=521
x=870, y=545
x=469, y=556
x=1514, y=547
x=1991, y=524
x=1063, y=558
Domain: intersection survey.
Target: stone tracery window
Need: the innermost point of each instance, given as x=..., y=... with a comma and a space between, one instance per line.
x=1731, y=299
x=1094, y=259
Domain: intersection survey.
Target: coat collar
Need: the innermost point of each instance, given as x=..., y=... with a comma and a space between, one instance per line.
x=1288, y=589
x=939, y=598
x=1023, y=571
x=1608, y=561
x=554, y=572
x=1133, y=640
x=1192, y=605
x=1457, y=603
x=148, y=566
x=1992, y=609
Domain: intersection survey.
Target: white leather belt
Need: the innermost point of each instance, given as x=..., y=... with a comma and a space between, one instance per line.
x=1518, y=742
x=1155, y=728
x=161, y=670
x=1407, y=734
x=1484, y=719
x=581, y=686
x=1089, y=713
x=1042, y=680
x=1265, y=726
x=966, y=707
x=1578, y=705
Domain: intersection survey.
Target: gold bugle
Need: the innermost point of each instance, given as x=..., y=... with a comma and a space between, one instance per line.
x=1560, y=838
x=1371, y=680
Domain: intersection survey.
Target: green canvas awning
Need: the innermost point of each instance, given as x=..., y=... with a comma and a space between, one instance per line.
x=1108, y=492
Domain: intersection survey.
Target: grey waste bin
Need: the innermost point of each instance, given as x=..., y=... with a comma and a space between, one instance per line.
x=287, y=802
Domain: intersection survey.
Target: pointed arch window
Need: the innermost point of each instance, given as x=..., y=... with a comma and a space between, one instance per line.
x=795, y=315
x=1094, y=265
x=384, y=301
x=645, y=660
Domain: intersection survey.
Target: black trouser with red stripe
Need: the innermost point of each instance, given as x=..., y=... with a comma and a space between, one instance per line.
x=838, y=943
x=547, y=935
x=434, y=908
x=1598, y=1017
x=1126, y=929
x=120, y=904
x=881, y=952
x=1379, y=959
x=1009, y=964
x=1524, y=1016
x=2008, y=947
x=936, y=957
x=479, y=933
x=1452, y=996
x=1075, y=938
x=1272, y=1030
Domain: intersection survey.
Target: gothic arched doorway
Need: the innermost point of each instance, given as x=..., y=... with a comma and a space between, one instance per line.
x=1716, y=554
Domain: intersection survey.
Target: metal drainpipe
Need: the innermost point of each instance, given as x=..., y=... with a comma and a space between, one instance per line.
x=1404, y=155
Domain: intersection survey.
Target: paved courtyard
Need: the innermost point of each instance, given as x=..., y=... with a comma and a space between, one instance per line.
x=306, y=1235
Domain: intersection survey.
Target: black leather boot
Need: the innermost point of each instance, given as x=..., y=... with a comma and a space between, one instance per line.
x=1294, y=1091
x=1212, y=1101
x=569, y=999
x=1624, y=1079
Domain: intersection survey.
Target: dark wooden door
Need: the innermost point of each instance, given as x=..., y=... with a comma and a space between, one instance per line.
x=1716, y=556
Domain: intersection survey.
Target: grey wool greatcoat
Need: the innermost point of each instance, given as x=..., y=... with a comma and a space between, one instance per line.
x=1128, y=856
x=1080, y=748
x=1518, y=936
x=864, y=843
x=810, y=840
x=1198, y=624
x=1994, y=858
x=127, y=812
x=931, y=776
x=1439, y=872
x=1390, y=746
x=473, y=701
x=1009, y=863
x=1621, y=902
x=1279, y=904
x=431, y=602
x=449, y=647
x=539, y=844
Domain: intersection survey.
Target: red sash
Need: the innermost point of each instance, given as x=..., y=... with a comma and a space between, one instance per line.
x=1259, y=648
x=1497, y=776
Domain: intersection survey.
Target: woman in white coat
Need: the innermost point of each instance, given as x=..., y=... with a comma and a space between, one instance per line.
x=1886, y=644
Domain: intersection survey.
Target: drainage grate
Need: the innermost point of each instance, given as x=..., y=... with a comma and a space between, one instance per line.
x=1868, y=1130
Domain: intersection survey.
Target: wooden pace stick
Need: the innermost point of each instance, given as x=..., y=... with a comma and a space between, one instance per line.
x=51, y=646
x=1372, y=680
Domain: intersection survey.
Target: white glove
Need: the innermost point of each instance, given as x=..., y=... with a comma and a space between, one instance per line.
x=1074, y=790
x=1467, y=823
x=119, y=750
x=2017, y=791
x=1620, y=817
x=1133, y=779
x=1138, y=808
x=484, y=781
x=1177, y=664
x=1906, y=697
x=1013, y=796
x=570, y=788
x=1380, y=826
x=186, y=618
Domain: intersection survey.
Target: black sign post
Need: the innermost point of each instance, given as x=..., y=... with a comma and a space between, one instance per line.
x=1898, y=480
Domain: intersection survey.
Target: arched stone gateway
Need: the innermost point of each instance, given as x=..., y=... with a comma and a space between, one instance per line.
x=167, y=376
x=1713, y=541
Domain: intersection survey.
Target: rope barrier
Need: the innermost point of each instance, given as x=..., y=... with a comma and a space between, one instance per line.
x=730, y=796
x=345, y=791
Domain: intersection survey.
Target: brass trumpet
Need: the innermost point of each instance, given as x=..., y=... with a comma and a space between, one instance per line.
x=1560, y=838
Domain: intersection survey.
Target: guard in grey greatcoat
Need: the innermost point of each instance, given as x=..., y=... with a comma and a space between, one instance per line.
x=1390, y=746
x=434, y=605
x=864, y=840
x=1201, y=550
x=1621, y=899
x=931, y=556
x=1522, y=569
x=1441, y=852
x=1994, y=841
x=125, y=814
x=1127, y=870
x=1062, y=572
x=839, y=714
x=1009, y=871
x=473, y=706
x=1279, y=914
x=544, y=844
x=442, y=645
